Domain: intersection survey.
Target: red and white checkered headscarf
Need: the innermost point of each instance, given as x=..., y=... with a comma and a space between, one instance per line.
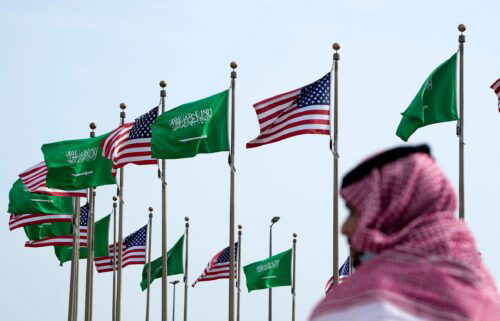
x=426, y=260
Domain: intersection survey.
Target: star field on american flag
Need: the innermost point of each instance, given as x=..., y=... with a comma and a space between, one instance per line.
x=84, y=215
x=142, y=127
x=138, y=238
x=317, y=93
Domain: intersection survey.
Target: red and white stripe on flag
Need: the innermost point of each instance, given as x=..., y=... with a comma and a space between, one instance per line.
x=302, y=111
x=34, y=179
x=496, y=89
x=63, y=240
x=21, y=220
x=135, y=255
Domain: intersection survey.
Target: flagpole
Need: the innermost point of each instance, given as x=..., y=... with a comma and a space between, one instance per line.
x=113, y=305
x=293, y=276
x=150, y=232
x=186, y=260
x=461, y=188
x=164, y=248
x=120, y=231
x=90, y=246
x=73, y=285
x=238, y=275
x=336, y=58
x=233, y=66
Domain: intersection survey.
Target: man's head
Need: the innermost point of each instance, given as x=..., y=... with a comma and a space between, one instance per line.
x=388, y=193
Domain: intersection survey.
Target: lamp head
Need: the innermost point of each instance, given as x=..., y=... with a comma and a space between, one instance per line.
x=174, y=282
x=275, y=219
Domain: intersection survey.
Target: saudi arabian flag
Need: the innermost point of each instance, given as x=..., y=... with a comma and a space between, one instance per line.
x=269, y=273
x=21, y=201
x=174, y=264
x=435, y=101
x=77, y=164
x=101, y=241
x=191, y=129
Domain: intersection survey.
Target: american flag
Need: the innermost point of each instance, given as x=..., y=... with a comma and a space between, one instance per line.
x=131, y=142
x=134, y=252
x=65, y=240
x=302, y=111
x=344, y=272
x=35, y=177
x=21, y=220
x=218, y=267
x=496, y=89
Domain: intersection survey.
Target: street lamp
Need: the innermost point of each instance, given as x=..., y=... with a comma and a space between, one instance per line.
x=273, y=220
x=174, y=283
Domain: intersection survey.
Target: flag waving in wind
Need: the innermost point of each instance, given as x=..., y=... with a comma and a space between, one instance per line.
x=344, y=271
x=131, y=142
x=218, y=267
x=301, y=111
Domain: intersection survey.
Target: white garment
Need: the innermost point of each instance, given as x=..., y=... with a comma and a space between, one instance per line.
x=372, y=311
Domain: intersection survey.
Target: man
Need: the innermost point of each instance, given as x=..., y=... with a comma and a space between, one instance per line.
x=416, y=260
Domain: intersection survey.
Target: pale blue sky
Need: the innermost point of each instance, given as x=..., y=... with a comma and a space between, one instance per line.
x=65, y=64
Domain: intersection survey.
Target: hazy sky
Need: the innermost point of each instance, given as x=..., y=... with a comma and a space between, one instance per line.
x=65, y=64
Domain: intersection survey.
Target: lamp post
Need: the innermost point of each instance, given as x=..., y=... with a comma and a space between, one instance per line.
x=273, y=220
x=174, y=283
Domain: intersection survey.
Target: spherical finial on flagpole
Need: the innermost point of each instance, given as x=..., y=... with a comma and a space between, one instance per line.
x=123, y=106
x=92, y=126
x=115, y=198
x=240, y=227
x=163, y=84
x=461, y=27
x=294, y=235
x=336, y=46
x=150, y=212
x=233, y=65
x=186, y=219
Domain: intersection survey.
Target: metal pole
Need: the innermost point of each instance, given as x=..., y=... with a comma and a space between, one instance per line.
x=233, y=66
x=93, y=246
x=270, y=290
x=336, y=58
x=120, y=231
x=294, y=280
x=90, y=246
x=150, y=232
x=238, y=275
x=73, y=284
x=461, y=184
x=174, y=283
x=164, y=248
x=186, y=260
x=113, y=305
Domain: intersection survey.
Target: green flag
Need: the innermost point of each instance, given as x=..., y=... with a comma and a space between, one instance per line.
x=21, y=201
x=269, y=273
x=435, y=101
x=101, y=241
x=174, y=264
x=45, y=230
x=191, y=129
x=77, y=164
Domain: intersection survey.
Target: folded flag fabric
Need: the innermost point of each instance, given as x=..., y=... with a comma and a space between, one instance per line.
x=174, y=264
x=218, y=267
x=134, y=251
x=77, y=164
x=305, y=110
x=434, y=103
x=194, y=128
x=344, y=271
x=131, y=142
x=55, y=234
x=35, y=180
x=101, y=241
x=21, y=220
x=21, y=201
x=269, y=273
x=496, y=88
